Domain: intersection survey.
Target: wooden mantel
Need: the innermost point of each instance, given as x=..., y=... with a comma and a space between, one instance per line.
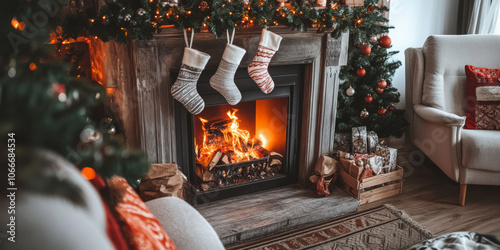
x=142, y=76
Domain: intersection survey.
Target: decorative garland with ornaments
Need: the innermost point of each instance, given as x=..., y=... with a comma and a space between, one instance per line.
x=122, y=20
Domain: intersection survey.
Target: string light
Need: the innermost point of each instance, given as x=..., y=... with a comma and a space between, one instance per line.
x=33, y=66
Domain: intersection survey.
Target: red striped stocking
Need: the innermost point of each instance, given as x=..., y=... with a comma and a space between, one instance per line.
x=268, y=45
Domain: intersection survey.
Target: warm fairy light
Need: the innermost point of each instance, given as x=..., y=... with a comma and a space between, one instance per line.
x=32, y=66
x=283, y=15
x=359, y=21
x=189, y=12
x=88, y=173
x=230, y=13
x=103, y=17
x=233, y=139
x=157, y=12
x=204, y=25
x=92, y=20
x=14, y=23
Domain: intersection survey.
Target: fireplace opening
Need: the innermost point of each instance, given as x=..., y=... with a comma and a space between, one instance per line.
x=230, y=150
x=240, y=144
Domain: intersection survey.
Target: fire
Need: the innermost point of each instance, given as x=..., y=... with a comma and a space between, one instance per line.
x=227, y=137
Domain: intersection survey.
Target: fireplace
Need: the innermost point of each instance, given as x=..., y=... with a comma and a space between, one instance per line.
x=232, y=150
x=305, y=70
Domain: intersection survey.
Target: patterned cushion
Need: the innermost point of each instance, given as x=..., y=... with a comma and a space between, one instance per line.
x=483, y=100
x=140, y=227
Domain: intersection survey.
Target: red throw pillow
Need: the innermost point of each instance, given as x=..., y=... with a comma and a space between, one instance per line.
x=113, y=230
x=481, y=114
x=140, y=227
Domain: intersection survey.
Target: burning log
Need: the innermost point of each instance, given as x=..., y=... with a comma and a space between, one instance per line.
x=204, y=174
x=211, y=161
x=225, y=159
x=215, y=159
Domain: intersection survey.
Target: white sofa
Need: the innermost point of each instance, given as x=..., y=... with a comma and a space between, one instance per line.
x=435, y=107
x=53, y=222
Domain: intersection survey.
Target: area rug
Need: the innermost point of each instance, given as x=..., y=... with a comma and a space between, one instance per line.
x=383, y=227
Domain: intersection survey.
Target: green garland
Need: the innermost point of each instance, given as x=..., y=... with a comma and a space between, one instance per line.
x=122, y=20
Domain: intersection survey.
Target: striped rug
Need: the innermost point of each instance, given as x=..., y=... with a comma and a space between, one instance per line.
x=383, y=227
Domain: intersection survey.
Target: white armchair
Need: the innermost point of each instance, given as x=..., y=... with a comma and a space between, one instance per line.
x=435, y=107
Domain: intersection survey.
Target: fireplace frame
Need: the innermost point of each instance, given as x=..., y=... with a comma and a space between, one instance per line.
x=288, y=83
x=142, y=73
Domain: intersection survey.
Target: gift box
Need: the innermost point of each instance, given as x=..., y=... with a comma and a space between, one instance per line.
x=390, y=156
x=376, y=163
x=359, y=143
x=372, y=140
x=342, y=142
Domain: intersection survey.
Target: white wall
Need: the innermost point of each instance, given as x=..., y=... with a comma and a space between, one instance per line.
x=414, y=21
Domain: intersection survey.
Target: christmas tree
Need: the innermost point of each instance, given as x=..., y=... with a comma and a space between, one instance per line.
x=43, y=105
x=366, y=95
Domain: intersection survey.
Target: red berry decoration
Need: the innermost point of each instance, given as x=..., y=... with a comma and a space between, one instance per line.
x=392, y=108
x=385, y=42
x=361, y=72
x=380, y=90
x=382, y=84
x=381, y=111
x=370, y=8
x=368, y=99
x=365, y=49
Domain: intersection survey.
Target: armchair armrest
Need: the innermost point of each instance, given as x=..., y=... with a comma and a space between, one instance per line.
x=438, y=116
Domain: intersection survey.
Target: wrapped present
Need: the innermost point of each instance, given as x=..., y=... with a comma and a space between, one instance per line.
x=375, y=162
x=342, y=142
x=325, y=172
x=372, y=140
x=390, y=156
x=359, y=143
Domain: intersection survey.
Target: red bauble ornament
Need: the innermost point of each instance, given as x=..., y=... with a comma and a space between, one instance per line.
x=58, y=89
x=382, y=84
x=370, y=8
x=385, y=42
x=381, y=111
x=379, y=90
x=368, y=99
x=365, y=49
x=361, y=72
x=392, y=108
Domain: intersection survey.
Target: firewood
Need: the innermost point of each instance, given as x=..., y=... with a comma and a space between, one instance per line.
x=206, y=161
x=225, y=159
x=204, y=174
x=216, y=157
x=276, y=158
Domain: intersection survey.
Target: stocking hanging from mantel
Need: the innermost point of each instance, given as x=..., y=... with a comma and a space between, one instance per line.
x=268, y=45
x=184, y=88
x=223, y=79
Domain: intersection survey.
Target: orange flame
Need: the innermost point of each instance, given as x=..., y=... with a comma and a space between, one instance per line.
x=233, y=139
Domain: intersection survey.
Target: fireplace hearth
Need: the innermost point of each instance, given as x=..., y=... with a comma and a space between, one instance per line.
x=232, y=150
x=305, y=70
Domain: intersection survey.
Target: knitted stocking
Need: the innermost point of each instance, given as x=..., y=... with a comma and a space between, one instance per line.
x=184, y=89
x=223, y=80
x=268, y=45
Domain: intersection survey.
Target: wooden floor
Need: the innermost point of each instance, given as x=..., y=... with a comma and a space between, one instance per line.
x=431, y=199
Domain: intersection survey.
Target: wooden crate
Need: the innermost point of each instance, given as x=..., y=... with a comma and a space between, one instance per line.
x=354, y=187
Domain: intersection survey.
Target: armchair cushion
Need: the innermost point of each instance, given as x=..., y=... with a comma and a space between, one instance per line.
x=438, y=116
x=480, y=149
